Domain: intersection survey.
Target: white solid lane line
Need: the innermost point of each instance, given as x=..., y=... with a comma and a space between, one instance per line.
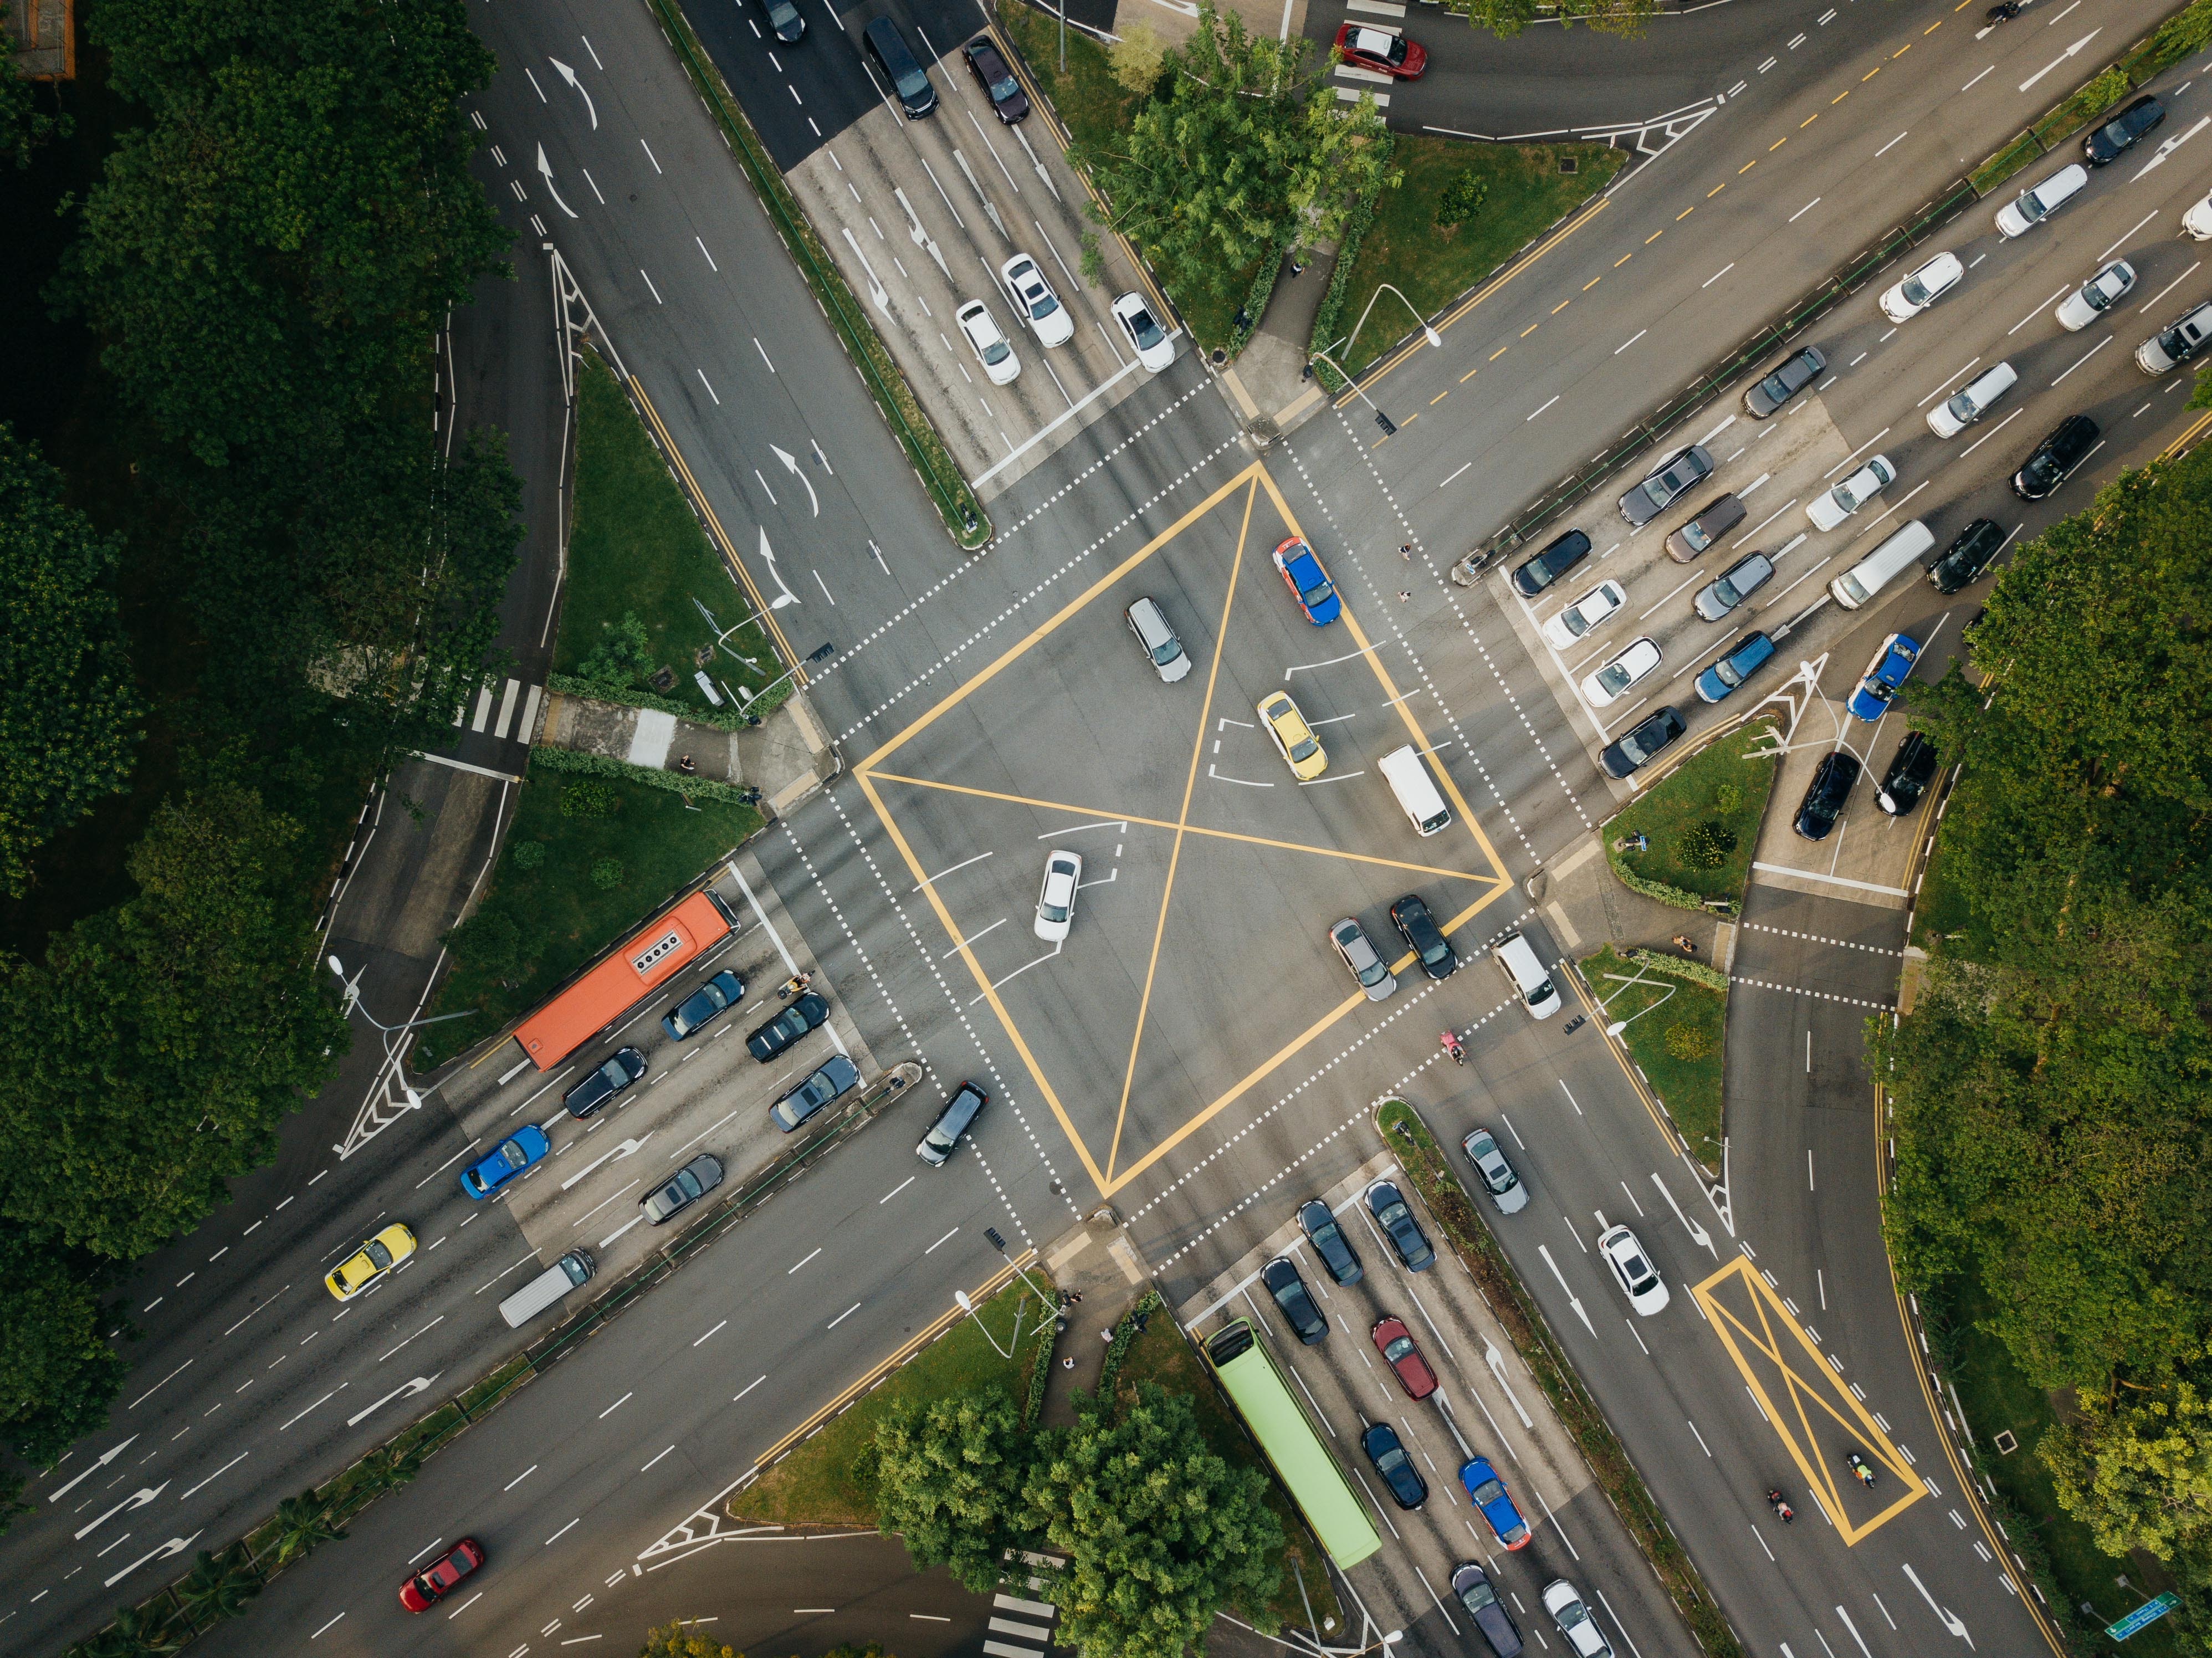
x=788, y=1271
x=612, y=1408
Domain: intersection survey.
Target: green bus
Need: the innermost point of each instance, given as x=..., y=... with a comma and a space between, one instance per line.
x=1249, y=1376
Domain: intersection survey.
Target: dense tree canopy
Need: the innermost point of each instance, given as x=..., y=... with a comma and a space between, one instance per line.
x=68, y=714
x=1248, y=145
x=2052, y=1085
x=949, y=1472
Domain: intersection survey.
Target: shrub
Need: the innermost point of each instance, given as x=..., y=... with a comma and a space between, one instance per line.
x=606, y=873
x=623, y=658
x=589, y=797
x=1462, y=197
x=1727, y=797
x=1686, y=1041
x=1706, y=845
x=1137, y=57
x=488, y=942
x=527, y=854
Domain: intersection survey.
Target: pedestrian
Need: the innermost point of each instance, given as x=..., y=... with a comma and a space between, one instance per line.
x=1406, y=552
x=684, y=765
x=1075, y=1294
x=1067, y=1363
x=1682, y=942
x=1403, y=595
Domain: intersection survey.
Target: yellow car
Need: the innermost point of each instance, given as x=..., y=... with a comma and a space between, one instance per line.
x=1299, y=746
x=370, y=1262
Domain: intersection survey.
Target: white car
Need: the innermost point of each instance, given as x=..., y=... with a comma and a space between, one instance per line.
x=1033, y=297
x=1000, y=365
x=1827, y=511
x=2038, y=202
x=1146, y=337
x=1063, y=874
x=2197, y=222
x=1584, y=615
x=1576, y=1627
x=2096, y=296
x=1917, y=291
x=1607, y=685
x=1639, y=1278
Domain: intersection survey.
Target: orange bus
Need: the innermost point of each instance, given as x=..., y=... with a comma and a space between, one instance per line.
x=619, y=980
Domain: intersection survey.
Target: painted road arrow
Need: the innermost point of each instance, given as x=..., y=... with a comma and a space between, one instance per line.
x=102, y=1461
x=1698, y=1234
x=791, y=465
x=1545, y=1250
x=768, y=557
x=546, y=167
x=173, y=1546
x=612, y=1154
x=2069, y=51
x=137, y=1499
x=569, y=75
x=406, y=1390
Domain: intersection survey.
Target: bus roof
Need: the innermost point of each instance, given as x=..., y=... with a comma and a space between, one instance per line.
x=615, y=983
x=1316, y=1483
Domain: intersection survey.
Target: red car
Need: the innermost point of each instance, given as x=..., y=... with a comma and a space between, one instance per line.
x=426, y=1588
x=1396, y=1343
x=1365, y=46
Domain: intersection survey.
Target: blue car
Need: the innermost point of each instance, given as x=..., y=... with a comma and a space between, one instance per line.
x=1891, y=667
x=718, y=995
x=508, y=1159
x=1490, y=1495
x=1752, y=652
x=1303, y=574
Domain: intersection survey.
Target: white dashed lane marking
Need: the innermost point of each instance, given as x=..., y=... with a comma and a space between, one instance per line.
x=1816, y=938
x=1817, y=995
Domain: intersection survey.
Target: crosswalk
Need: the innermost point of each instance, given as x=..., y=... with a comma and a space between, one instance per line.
x=1007, y=1627
x=505, y=701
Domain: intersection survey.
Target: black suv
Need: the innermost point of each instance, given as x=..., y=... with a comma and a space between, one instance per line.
x=1554, y=562
x=2122, y=132
x=1790, y=376
x=1909, y=774
x=1965, y=558
x=1410, y=915
x=1636, y=749
x=1832, y=784
x=2055, y=458
x=1665, y=484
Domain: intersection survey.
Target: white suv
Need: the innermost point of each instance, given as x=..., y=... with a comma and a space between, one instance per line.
x=1908, y=298
x=1033, y=297
x=988, y=342
x=1827, y=511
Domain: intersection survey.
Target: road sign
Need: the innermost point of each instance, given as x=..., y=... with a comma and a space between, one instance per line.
x=2147, y=1614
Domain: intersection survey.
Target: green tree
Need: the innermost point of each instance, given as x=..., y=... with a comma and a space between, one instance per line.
x=68, y=714
x=155, y=1050
x=1138, y=58
x=1247, y=146
x=58, y=1373
x=682, y=1640
x=304, y=1524
x=1158, y=1533
x=23, y=125
x=1507, y=18
x=2137, y=1467
x=623, y=657
x=949, y=1474
x=218, y=1586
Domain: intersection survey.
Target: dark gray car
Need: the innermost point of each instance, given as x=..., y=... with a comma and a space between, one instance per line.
x=1790, y=376
x=1471, y=1587
x=605, y=1082
x=1281, y=1276
x=1665, y=484
x=816, y=1091
x=1498, y=1176
x=1966, y=557
x=1335, y=1250
x=1560, y=555
x=1735, y=583
x=1389, y=1206
x=683, y=1188
x=959, y=1114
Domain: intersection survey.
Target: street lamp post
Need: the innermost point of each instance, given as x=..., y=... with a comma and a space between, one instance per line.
x=1434, y=338
x=1620, y=1026
x=1317, y=354
x=969, y=1308
x=351, y=1004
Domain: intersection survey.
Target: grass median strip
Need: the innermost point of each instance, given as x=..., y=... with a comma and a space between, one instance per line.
x=1677, y=1047
x=1427, y=1166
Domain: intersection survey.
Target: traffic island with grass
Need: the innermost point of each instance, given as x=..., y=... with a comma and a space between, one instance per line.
x=645, y=594
x=1432, y=1172
x=1675, y=1012
x=1463, y=211
x=1688, y=841
x=587, y=860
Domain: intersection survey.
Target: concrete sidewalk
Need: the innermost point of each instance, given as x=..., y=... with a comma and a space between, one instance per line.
x=1269, y=380
x=1094, y=1260
x=786, y=756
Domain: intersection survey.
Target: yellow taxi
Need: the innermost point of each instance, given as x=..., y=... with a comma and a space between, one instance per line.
x=370, y=1262
x=1301, y=749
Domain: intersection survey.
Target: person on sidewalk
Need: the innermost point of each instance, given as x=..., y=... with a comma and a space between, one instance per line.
x=684, y=764
x=1683, y=943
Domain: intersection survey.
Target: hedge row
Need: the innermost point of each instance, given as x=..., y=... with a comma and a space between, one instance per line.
x=601, y=765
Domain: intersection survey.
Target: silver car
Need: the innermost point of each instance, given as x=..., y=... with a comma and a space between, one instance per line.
x=1735, y=583
x=1150, y=623
x=1498, y=1176
x=2096, y=296
x=1359, y=955
x=682, y=1189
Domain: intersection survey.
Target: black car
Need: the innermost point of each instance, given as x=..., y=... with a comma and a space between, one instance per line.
x=1733, y=586
x=682, y=1189
x=816, y=1091
x=1824, y=796
x=718, y=995
x=1470, y=1585
x=1637, y=747
x=1665, y=484
x=1337, y=1255
x=1408, y=1489
x=1388, y=1204
x=1790, y=376
x=2122, y=132
x=1281, y=1278
x=605, y=1082
x=787, y=1028
x=1548, y=566
x=1410, y=915
x=998, y=81
x=1966, y=558
x=2055, y=458
x=1909, y=774
x=783, y=17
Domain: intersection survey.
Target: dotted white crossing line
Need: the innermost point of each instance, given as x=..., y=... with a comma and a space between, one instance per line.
x=1817, y=938
x=1817, y=995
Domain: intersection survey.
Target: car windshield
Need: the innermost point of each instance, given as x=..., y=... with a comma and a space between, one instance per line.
x=1487, y=1492
x=1305, y=749
x=1572, y=1614
x=2031, y=206
x=1776, y=386
x=1615, y=677
x=1693, y=533
x=515, y=1156
x=1374, y=973
x=1633, y=746
x=1725, y=592
x=781, y=12
x=997, y=352
x=1005, y=87
x=1146, y=331
x=1399, y=1347
x=1915, y=291
x=1318, y=591
x=1475, y=1596
x=1576, y=624
x=1053, y=912
x=1167, y=650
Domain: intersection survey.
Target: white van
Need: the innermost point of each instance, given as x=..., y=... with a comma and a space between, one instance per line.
x=547, y=1288
x=1527, y=975
x=1971, y=402
x=1416, y=790
x=1874, y=571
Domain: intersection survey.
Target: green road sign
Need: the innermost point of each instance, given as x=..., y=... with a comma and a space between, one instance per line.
x=2147, y=1614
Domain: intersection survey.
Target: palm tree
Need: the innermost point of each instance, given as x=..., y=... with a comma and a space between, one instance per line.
x=218, y=1587
x=304, y=1524
x=387, y=1470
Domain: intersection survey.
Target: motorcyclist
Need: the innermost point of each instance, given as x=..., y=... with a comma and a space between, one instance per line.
x=1455, y=1048
x=1859, y=1468
x=1780, y=1505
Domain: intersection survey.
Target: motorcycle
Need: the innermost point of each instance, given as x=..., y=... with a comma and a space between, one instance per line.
x=1999, y=13
x=1455, y=1048
x=1860, y=1471
x=1780, y=1505
x=794, y=985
